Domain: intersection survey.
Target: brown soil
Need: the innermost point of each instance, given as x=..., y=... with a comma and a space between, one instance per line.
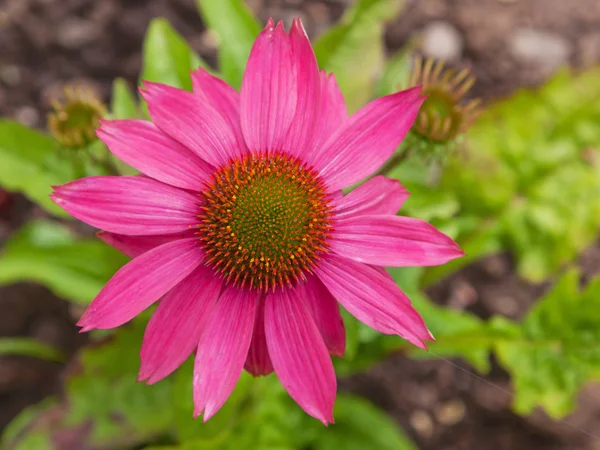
x=442, y=404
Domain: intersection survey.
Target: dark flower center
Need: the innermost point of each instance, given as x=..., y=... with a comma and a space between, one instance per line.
x=264, y=220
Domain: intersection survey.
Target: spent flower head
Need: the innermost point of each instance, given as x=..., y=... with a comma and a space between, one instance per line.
x=75, y=116
x=445, y=113
x=240, y=230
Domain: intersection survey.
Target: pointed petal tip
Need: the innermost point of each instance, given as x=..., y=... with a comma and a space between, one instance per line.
x=153, y=379
x=339, y=352
x=270, y=24
x=430, y=336
x=142, y=376
x=298, y=26
x=208, y=413
x=326, y=419
x=280, y=26
x=148, y=88
x=418, y=343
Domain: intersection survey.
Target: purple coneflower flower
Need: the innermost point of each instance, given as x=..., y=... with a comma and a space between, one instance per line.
x=239, y=229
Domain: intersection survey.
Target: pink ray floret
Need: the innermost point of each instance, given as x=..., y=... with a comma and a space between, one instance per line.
x=238, y=227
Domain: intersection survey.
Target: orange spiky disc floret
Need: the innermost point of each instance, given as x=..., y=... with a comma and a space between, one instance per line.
x=265, y=220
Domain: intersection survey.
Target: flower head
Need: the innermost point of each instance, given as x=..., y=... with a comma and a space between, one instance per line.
x=73, y=120
x=444, y=114
x=238, y=226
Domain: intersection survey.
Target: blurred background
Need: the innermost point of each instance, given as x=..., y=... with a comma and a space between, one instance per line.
x=508, y=44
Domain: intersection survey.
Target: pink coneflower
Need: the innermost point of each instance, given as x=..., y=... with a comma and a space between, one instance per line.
x=239, y=228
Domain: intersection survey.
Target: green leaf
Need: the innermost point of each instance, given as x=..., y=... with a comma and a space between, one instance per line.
x=47, y=253
x=354, y=49
x=396, y=73
x=236, y=28
x=124, y=104
x=29, y=347
x=31, y=164
x=360, y=425
x=219, y=428
x=529, y=182
x=167, y=58
x=559, y=217
x=24, y=432
x=556, y=349
x=457, y=333
x=102, y=406
x=106, y=391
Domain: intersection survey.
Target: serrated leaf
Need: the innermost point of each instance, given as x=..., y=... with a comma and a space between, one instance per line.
x=556, y=349
x=47, y=253
x=167, y=58
x=353, y=49
x=31, y=164
x=236, y=28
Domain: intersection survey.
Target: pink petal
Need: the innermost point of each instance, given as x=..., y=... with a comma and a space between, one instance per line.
x=140, y=283
x=367, y=139
x=133, y=246
x=224, y=99
x=222, y=350
x=192, y=122
x=258, y=361
x=386, y=240
x=128, y=205
x=268, y=97
x=372, y=298
x=333, y=108
x=175, y=328
x=142, y=145
x=299, y=355
x=325, y=311
x=300, y=137
x=379, y=195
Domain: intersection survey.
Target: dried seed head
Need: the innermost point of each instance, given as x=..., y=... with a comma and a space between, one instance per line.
x=445, y=114
x=75, y=116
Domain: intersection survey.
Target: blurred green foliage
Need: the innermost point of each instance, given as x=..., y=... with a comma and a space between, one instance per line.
x=31, y=164
x=353, y=49
x=49, y=253
x=104, y=407
x=25, y=346
x=167, y=58
x=528, y=180
x=525, y=180
x=235, y=35
x=556, y=348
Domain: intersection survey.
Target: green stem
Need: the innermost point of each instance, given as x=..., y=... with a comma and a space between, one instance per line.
x=394, y=161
